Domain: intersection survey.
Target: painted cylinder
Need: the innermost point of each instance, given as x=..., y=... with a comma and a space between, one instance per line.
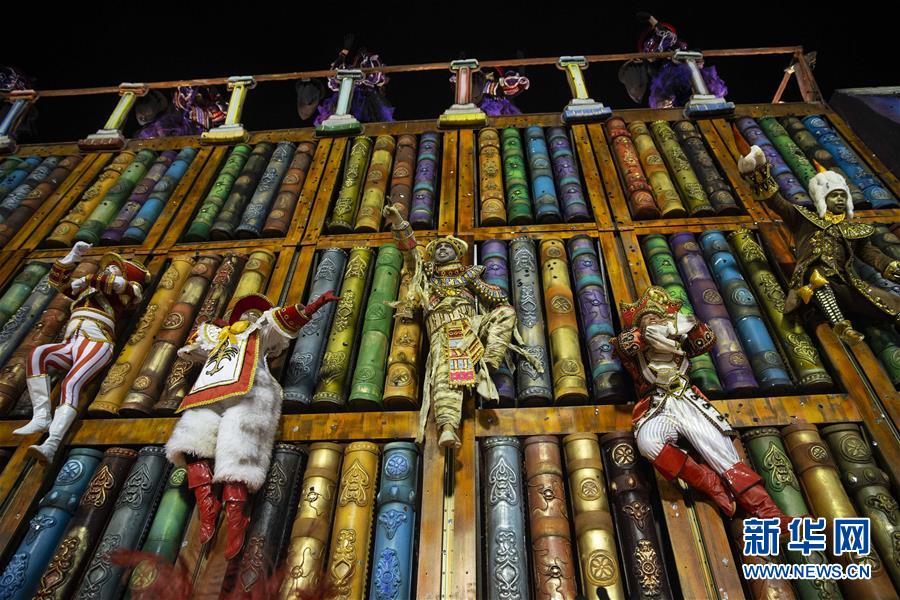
x=395, y=522
x=871, y=488
x=21, y=322
x=731, y=362
x=228, y=219
x=885, y=343
x=63, y=573
x=254, y=277
x=46, y=528
x=305, y=562
x=826, y=497
x=401, y=385
x=640, y=194
x=20, y=288
x=607, y=383
x=645, y=574
x=165, y=534
x=150, y=381
x=367, y=388
x=402, y=175
x=593, y=525
x=15, y=197
x=568, y=181
x=369, y=218
x=268, y=521
x=303, y=365
x=151, y=209
x=215, y=198
x=790, y=152
x=492, y=205
x=332, y=381
x=279, y=218
x=543, y=189
x=183, y=372
x=64, y=232
x=553, y=565
x=351, y=538
x=796, y=344
x=533, y=386
x=717, y=189
x=667, y=198
x=694, y=196
x=518, y=196
x=770, y=460
x=17, y=174
x=569, y=381
x=495, y=259
x=788, y=183
x=139, y=195
x=127, y=526
x=103, y=214
x=503, y=499
x=343, y=215
x=663, y=272
x=424, y=194
x=254, y=216
x=124, y=371
x=745, y=313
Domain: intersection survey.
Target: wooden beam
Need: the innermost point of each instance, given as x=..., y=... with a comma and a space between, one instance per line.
x=308, y=193
x=322, y=203
x=452, y=184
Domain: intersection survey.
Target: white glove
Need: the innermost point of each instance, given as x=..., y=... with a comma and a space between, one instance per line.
x=78, y=285
x=751, y=162
x=77, y=251
x=119, y=284
x=656, y=336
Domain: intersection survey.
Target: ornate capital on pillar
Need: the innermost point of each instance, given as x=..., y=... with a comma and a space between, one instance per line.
x=702, y=104
x=582, y=108
x=110, y=136
x=343, y=123
x=20, y=100
x=463, y=113
x=231, y=131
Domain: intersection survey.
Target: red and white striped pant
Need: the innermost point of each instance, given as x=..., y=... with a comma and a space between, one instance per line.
x=83, y=358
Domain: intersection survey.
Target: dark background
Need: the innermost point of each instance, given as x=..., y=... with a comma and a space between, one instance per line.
x=97, y=44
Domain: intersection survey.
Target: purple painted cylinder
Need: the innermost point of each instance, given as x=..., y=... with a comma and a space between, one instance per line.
x=421, y=214
x=727, y=353
x=495, y=258
x=568, y=181
x=115, y=231
x=790, y=186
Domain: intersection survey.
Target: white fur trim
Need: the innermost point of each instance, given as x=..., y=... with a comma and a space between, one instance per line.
x=751, y=162
x=195, y=433
x=824, y=183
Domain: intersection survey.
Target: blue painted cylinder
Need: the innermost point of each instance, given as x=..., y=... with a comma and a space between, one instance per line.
x=395, y=522
x=745, y=313
x=12, y=179
x=23, y=573
x=150, y=211
x=543, y=189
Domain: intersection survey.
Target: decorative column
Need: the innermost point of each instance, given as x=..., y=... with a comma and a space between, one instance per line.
x=506, y=556
x=581, y=108
x=346, y=205
x=492, y=206
x=402, y=177
x=21, y=576
x=691, y=191
x=546, y=204
x=395, y=523
x=218, y=193
x=593, y=523
x=257, y=209
x=231, y=131
x=533, y=388
x=421, y=213
x=518, y=197
x=343, y=123
x=640, y=199
x=568, y=181
x=279, y=219
x=21, y=100
x=463, y=113
x=702, y=104
x=368, y=218
x=667, y=199
x=305, y=561
x=228, y=219
x=401, y=384
x=110, y=136
x=717, y=190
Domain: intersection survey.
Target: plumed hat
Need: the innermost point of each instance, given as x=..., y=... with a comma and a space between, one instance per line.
x=655, y=301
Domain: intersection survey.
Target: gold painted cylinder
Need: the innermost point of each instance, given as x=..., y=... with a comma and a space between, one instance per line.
x=348, y=562
x=254, y=277
x=593, y=523
x=667, y=198
x=569, y=380
x=332, y=387
x=343, y=215
x=401, y=386
x=151, y=379
x=65, y=231
x=492, y=203
x=826, y=498
x=305, y=561
x=125, y=370
x=369, y=217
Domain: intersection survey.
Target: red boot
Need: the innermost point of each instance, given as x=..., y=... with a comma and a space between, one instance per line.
x=673, y=462
x=199, y=476
x=235, y=497
x=746, y=485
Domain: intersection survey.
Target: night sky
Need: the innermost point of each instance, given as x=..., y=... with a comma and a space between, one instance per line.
x=173, y=41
